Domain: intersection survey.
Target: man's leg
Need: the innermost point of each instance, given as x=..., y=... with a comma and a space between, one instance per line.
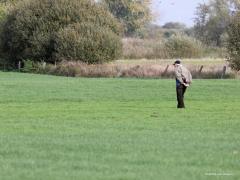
x=180, y=94
x=184, y=90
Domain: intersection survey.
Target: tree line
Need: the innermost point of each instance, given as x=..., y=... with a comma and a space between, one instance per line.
x=91, y=31
x=217, y=24
x=55, y=30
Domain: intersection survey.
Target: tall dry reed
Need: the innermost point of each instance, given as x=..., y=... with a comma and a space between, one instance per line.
x=79, y=69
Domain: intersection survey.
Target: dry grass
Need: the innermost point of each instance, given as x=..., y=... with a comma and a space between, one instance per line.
x=176, y=46
x=148, y=48
x=139, y=69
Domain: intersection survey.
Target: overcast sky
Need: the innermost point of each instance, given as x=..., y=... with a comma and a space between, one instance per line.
x=175, y=10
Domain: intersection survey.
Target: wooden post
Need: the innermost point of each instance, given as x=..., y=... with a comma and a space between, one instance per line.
x=166, y=70
x=200, y=70
x=224, y=71
x=19, y=66
x=44, y=65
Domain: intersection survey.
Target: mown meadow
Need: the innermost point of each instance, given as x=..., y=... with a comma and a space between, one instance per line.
x=77, y=128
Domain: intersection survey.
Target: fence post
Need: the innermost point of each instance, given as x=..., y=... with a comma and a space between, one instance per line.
x=19, y=66
x=200, y=70
x=166, y=70
x=44, y=65
x=224, y=71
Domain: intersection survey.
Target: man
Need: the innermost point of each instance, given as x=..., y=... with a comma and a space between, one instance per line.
x=183, y=80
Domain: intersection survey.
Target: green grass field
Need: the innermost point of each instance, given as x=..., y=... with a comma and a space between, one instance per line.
x=58, y=128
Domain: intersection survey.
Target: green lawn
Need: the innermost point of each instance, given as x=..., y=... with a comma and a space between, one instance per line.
x=58, y=128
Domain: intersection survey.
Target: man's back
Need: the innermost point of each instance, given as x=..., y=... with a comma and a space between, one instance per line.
x=182, y=73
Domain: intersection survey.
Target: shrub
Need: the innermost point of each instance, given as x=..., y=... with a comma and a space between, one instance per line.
x=50, y=30
x=182, y=46
x=87, y=43
x=233, y=46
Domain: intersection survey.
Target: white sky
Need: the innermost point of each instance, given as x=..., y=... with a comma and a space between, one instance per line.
x=175, y=10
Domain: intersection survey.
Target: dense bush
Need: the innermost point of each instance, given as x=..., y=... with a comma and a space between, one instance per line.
x=78, y=42
x=52, y=30
x=234, y=43
x=182, y=46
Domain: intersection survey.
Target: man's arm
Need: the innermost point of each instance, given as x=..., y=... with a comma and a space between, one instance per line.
x=178, y=75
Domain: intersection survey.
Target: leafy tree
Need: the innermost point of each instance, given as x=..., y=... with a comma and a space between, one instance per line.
x=42, y=30
x=6, y=1
x=4, y=5
x=213, y=19
x=234, y=42
x=236, y=4
x=2, y=12
x=201, y=22
x=133, y=14
x=9, y=2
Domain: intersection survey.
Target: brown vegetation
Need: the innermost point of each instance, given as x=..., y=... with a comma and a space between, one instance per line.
x=79, y=69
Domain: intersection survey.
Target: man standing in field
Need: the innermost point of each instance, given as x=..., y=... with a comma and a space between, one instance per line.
x=183, y=80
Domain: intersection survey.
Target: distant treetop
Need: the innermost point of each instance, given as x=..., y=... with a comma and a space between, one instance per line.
x=174, y=25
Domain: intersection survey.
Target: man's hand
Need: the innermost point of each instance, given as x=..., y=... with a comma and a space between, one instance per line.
x=185, y=84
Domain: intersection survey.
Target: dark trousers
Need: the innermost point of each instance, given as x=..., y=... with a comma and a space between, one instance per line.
x=181, y=89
